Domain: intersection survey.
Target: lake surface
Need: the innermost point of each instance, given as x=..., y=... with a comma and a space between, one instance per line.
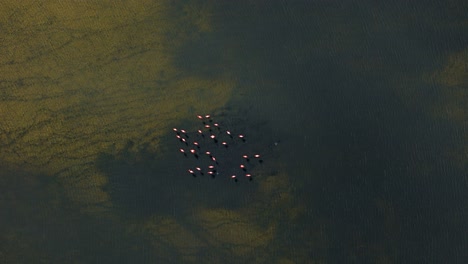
x=359, y=110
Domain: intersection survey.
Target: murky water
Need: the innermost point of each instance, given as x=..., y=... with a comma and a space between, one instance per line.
x=357, y=109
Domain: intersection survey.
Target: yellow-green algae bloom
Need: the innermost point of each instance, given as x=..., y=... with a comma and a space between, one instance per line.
x=82, y=78
x=452, y=80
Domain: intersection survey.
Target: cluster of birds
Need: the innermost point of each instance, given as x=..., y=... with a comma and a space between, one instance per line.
x=216, y=150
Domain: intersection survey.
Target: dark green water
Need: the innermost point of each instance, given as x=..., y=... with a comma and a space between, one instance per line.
x=366, y=101
x=344, y=85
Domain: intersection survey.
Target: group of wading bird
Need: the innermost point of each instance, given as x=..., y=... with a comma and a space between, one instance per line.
x=200, y=144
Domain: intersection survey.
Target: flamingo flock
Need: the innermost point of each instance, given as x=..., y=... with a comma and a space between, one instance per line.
x=217, y=151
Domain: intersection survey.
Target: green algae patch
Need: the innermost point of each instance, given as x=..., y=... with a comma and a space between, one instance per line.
x=236, y=231
x=82, y=78
x=453, y=80
x=455, y=71
x=167, y=236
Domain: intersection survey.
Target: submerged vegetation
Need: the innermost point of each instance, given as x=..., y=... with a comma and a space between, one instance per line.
x=90, y=85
